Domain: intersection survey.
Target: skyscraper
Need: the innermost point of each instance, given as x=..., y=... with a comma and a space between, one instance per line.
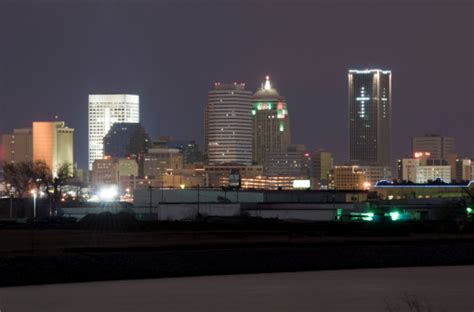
x=271, y=124
x=126, y=139
x=104, y=111
x=228, y=125
x=53, y=143
x=370, y=105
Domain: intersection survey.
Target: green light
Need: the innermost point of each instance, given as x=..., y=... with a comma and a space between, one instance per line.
x=395, y=215
x=469, y=210
x=281, y=127
x=259, y=106
x=254, y=112
x=269, y=105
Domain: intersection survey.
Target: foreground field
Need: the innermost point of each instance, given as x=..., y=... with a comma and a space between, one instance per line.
x=377, y=290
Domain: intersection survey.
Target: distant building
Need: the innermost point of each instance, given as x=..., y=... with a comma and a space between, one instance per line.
x=295, y=161
x=218, y=175
x=186, y=178
x=271, y=124
x=53, y=143
x=228, y=125
x=422, y=169
x=373, y=174
x=321, y=165
x=159, y=161
x=104, y=111
x=348, y=178
x=370, y=106
x=126, y=140
x=18, y=146
x=110, y=171
x=439, y=147
x=463, y=170
x=189, y=148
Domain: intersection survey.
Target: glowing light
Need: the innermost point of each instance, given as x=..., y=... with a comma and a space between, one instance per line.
x=267, y=86
x=108, y=193
x=469, y=210
x=280, y=105
x=182, y=186
x=395, y=215
x=282, y=128
x=421, y=154
x=301, y=184
x=367, y=185
x=254, y=112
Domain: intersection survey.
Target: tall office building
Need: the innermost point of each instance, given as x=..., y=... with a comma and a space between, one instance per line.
x=228, y=125
x=271, y=124
x=18, y=146
x=104, y=111
x=439, y=147
x=370, y=105
x=53, y=143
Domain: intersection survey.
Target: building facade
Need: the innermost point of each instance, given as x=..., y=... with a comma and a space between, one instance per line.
x=348, y=178
x=295, y=161
x=160, y=161
x=53, y=143
x=321, y=164
x=110, y=171
x=439, y=147
x=370, y=106
x=104, y=111
x=271, y=123
x=228, y=125
x=18, y=146
x=422, y=169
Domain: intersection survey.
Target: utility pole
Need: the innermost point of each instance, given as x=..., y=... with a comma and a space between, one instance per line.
x=150, y=188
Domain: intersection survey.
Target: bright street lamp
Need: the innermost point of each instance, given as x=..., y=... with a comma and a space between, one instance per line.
x=34, y=193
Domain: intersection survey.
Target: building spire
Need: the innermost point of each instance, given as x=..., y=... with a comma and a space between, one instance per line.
x=267, y=86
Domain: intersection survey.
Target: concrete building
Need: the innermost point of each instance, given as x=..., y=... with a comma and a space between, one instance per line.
x=186, y=178
x=271, y=124
x=104, y=111
x=439, y=147
x=463, y=170
x=321, y=164
x=18, y=146
x=295, y=161
x=160, y=161
x=53, y=143
x=110, y=171
x=348, y=178
x=370, y=106
x=228, y=125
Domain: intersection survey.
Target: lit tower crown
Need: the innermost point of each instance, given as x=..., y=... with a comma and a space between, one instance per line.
x=271, y=125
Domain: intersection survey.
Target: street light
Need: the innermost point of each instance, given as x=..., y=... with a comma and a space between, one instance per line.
x=34, y=193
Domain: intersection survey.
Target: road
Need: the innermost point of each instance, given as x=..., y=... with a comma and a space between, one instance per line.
x=442, y=288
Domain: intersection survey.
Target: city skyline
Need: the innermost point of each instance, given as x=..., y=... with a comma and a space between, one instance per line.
x=311, y=75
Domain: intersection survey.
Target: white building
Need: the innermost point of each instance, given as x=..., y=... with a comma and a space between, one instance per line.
x=421, y=170
x=228, y=125
x=104, y=111
x=427, y=173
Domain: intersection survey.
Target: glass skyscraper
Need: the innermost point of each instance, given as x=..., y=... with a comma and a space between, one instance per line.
x=370, y=105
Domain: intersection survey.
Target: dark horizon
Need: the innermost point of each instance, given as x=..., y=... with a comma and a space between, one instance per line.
x=170, y=54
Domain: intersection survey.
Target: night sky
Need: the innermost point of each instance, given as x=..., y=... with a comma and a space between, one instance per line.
x=54, y=53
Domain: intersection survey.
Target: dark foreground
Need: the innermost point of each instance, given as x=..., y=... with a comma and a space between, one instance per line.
x=432, y=289
x=118, y=263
